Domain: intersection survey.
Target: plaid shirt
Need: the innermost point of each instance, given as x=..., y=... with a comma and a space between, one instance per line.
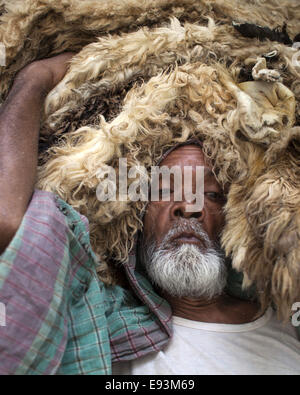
x=60, y=319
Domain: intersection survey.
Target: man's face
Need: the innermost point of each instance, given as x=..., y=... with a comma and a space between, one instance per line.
x=183, y=247
x=161, y=216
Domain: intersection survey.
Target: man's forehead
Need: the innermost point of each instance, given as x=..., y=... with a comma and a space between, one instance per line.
x=187, y=155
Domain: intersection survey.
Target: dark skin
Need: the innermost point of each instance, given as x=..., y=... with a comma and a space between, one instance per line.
x=19, y=134
x=159, y=219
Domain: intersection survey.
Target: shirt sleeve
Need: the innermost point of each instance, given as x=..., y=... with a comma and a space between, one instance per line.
x=47, y=285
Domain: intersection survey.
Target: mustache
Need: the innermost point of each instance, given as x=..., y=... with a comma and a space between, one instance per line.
x=186, y=226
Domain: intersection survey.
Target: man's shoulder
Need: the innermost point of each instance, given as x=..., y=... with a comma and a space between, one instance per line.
x=56, y=210
x=44, y=199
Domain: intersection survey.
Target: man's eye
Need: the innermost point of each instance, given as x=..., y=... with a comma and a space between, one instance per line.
x=215, y=196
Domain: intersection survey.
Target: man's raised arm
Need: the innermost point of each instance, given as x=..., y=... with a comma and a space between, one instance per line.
x=19, y=132
x=48, y=279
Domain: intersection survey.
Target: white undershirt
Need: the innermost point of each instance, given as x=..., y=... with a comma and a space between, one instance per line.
x=264, y=346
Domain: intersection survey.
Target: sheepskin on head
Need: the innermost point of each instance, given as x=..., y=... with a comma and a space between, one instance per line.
x=153, y=82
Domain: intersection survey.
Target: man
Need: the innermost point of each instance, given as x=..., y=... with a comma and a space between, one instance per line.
x=59, y=317
x=214, y=333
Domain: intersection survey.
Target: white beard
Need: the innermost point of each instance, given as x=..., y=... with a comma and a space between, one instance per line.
x=186, y=271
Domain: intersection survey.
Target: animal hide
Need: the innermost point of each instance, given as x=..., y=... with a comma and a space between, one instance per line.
x=262, y=33
x=150, y=74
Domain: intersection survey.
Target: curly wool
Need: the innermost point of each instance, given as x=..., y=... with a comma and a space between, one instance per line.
x=34, y=29
x=191, y=100
x=150, y=122
x=161, y=84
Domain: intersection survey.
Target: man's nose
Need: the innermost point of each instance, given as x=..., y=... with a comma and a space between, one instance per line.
x=179, y=210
